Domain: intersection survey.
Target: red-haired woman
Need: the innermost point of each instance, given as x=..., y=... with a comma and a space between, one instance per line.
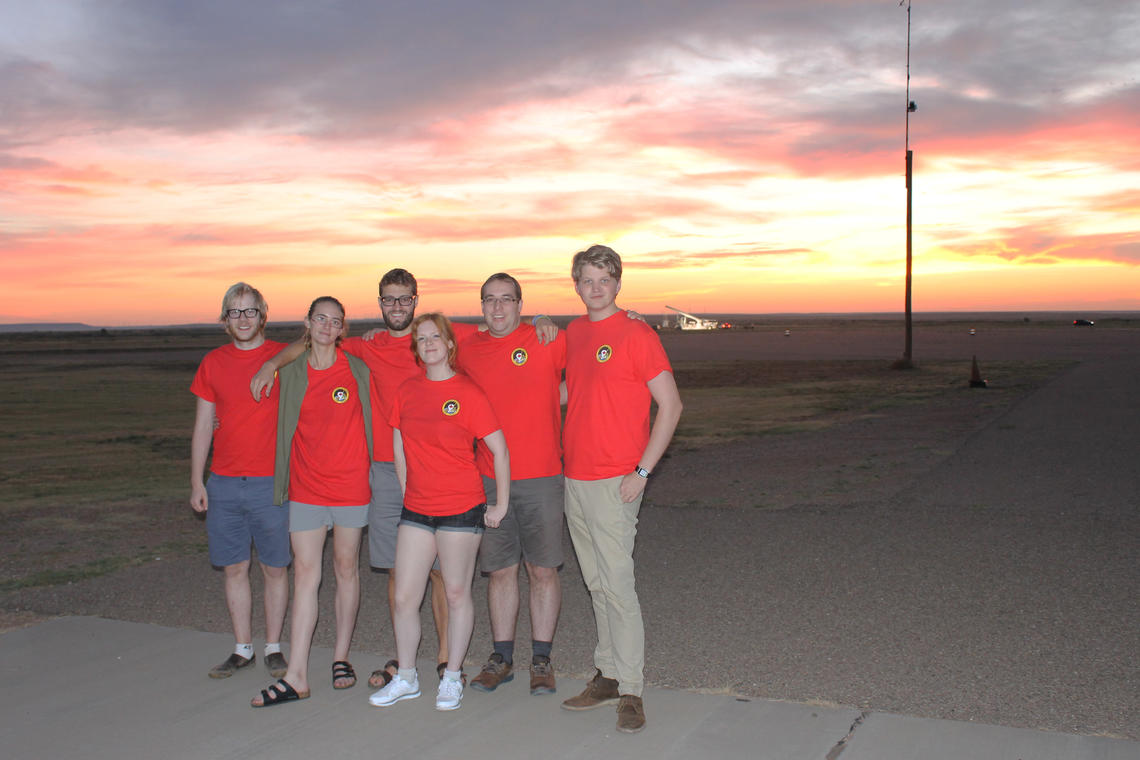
x=437, y=418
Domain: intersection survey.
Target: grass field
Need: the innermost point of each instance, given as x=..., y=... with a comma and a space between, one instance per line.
x=94, y=448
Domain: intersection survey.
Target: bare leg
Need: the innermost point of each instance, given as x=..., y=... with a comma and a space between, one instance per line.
x=503, y=602
x=239, y=601
x=308, y=550
x=457, y=552
x=346, y=566
x=276, y=600
x=415, y=553
x=439, y=612
x=545, y=601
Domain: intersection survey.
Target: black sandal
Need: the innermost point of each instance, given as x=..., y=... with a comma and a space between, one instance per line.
x=341, y=671
x=279, y=693
x=381, y=678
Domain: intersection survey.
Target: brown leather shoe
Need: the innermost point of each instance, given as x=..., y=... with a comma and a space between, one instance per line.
x=599, y=691
x=631, y=714
x=231, y=665
x=276, y=664
x=496, y=671
x=541, y=676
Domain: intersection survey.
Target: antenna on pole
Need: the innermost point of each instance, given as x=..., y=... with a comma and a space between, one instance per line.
x=910, y=108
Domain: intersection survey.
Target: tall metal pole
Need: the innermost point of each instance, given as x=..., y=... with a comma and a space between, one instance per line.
x=907, y=354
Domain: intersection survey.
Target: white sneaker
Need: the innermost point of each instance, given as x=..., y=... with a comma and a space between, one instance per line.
x=396, y=690
x=450, y=694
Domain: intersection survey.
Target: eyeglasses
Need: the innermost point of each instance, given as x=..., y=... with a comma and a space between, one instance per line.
x=322, y=319
x=403, y=300
x=504, y=300
x=251, y=312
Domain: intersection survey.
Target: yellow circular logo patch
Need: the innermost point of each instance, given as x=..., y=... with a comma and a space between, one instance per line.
x=603, y=353
x=451, y=407
x=340, y=395
x=518, y=357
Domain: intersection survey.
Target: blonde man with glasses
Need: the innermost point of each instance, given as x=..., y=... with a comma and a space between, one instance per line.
x=237, y=500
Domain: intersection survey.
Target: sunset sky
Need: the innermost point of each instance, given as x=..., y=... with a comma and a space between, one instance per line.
x=742, y=156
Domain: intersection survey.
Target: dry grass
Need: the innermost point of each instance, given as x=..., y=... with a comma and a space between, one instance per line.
x=95, y=441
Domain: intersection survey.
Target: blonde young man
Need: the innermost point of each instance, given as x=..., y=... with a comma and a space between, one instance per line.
x=238, y=498
x=614, y=368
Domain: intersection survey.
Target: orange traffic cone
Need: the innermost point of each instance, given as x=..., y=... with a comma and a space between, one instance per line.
x=976, y=380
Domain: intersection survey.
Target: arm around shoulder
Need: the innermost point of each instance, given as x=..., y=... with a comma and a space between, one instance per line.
x=262, y=382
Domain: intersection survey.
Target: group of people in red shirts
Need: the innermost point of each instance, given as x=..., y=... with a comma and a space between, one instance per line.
x=445, y=441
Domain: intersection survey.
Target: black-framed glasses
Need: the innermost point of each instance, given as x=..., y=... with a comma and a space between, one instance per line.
x=393, y=300
x=251, y=312
x=321, y=319
x=504, y=300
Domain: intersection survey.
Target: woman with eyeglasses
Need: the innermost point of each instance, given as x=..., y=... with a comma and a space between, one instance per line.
x=437, y=417
x=323, y=452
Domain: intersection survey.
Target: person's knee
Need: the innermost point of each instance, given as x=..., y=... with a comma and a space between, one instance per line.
x=346, y=568
x=274, y=573
x=237, y=570
x=306, y=571
x=504, y=575
x=406, y=600
x=540, y=574
x=458, y=596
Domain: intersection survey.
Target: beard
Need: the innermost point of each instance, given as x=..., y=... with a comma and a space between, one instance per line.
x=395, y=324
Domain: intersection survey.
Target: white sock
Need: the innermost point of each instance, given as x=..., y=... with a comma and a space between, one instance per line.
x=272, y=648
x=245, y=650
x=408, y=674
x=454, y=675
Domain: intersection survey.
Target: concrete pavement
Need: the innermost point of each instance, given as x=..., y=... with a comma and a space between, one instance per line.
x=85, y=687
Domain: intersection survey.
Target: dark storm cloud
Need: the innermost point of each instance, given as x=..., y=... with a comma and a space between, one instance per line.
x=356, y=68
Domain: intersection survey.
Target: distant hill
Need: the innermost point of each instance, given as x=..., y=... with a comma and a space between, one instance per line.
x=47, y=327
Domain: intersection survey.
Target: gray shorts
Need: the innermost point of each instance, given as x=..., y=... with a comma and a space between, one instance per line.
x=384, y=515
x=532, y=529
x=241, y=510
x=312, y=516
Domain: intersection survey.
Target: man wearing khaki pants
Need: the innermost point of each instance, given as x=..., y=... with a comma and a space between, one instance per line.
x=614, y=368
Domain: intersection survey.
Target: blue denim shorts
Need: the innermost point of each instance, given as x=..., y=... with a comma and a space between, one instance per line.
x=240, y=510
x=470, y=521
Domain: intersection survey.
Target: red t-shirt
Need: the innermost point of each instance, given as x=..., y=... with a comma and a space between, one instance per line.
x=439, y=422
x=520, y=377
x=609, y=364
x=390, y=362
x=328, y=465
x=245, y=441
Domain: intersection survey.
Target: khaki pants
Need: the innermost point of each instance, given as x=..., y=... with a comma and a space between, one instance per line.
x=603, y=530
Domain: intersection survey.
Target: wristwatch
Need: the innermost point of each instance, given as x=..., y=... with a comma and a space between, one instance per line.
x=641, y=471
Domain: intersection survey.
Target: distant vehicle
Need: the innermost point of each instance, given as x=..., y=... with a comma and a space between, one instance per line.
x=686, y=321
x=1083, y=323
x=726, y=325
